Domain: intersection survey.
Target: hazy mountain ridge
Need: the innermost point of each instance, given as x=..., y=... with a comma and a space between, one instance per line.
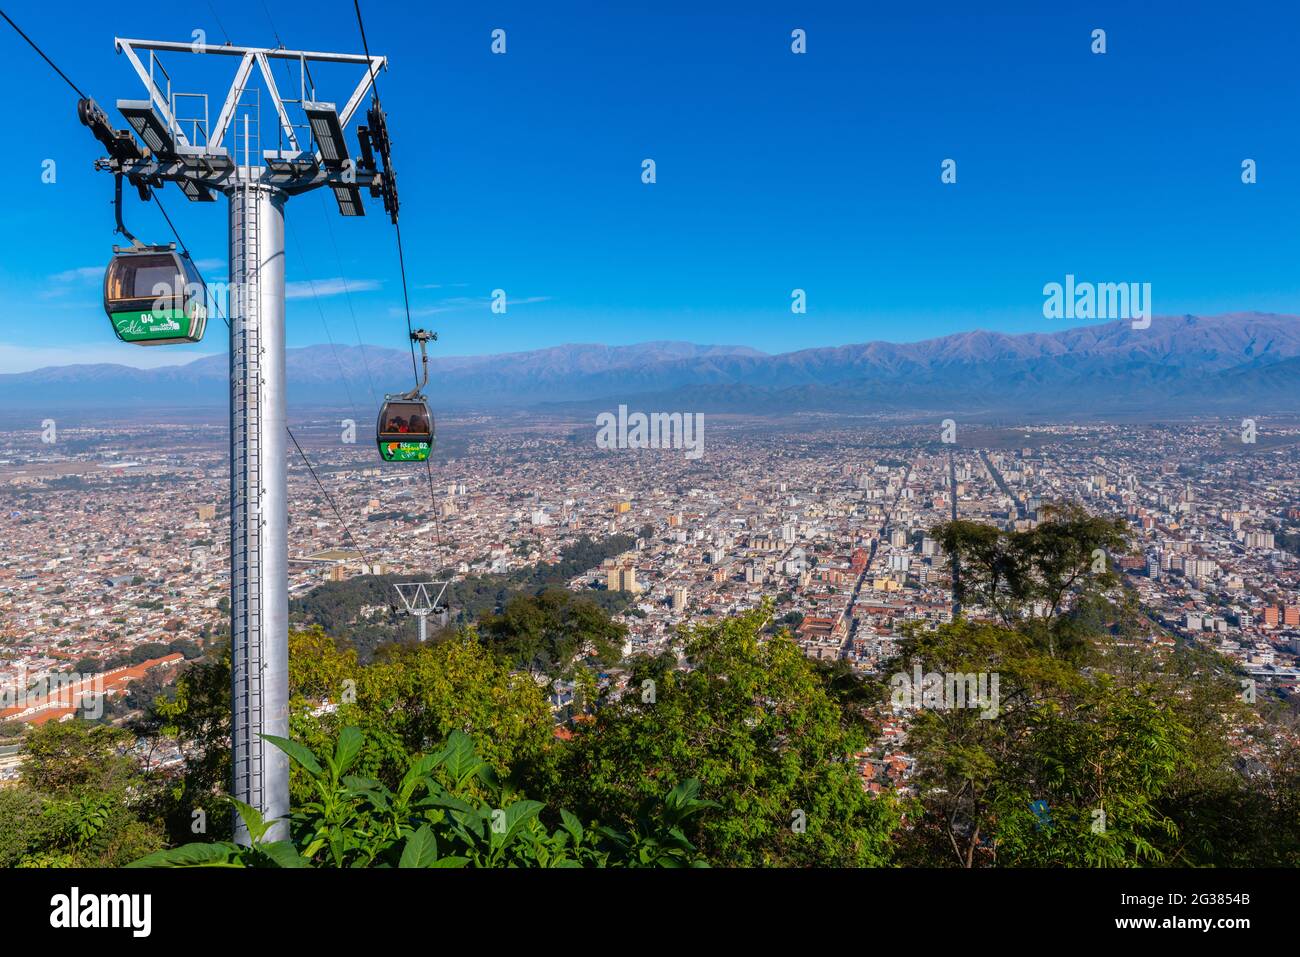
x=1188, y=363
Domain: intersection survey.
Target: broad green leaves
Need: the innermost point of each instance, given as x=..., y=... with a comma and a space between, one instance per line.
x=449, y=811
x=421, y=849
x=219, y=854
x=299, y=753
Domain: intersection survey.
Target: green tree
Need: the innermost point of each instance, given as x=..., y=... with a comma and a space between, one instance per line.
x=548, y=632
x=1029, y=578
x=63, y=757
x=22, y=824
x=754, y=722
x=195, y=716
x=1230, y=810
x=1067, y=769
x=80, y=802
x=414, y=696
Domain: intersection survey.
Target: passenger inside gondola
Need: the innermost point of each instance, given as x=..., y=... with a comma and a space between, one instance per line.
x=403, y=419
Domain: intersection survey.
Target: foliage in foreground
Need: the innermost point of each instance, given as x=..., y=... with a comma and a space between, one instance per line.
x=80, y=800
x=435, y=818
x=766, y=731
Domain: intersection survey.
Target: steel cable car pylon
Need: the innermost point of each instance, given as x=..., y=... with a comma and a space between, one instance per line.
x=416, y=598
x=405, y=428
x=257, y=185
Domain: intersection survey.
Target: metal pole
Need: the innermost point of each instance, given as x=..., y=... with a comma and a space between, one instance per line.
x=259, y=601
x=259, y=605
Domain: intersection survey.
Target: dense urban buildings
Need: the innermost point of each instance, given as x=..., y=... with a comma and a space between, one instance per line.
x=117, y=538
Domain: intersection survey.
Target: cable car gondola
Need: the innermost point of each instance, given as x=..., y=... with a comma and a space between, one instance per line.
x=405, y=427
x=154, y=296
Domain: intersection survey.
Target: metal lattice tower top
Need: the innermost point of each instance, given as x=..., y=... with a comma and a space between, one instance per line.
x=416, y=597
x=310, y=154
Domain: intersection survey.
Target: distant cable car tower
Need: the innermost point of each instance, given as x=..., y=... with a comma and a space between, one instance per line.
x=257, y=183
x=415, y=596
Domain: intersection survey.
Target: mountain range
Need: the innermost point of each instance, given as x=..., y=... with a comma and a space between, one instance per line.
x=1244, y=362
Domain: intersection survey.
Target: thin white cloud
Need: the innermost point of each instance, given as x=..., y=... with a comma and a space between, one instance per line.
x=70, y=282
x=80, y=274
x=464, y=303
x=336, y=286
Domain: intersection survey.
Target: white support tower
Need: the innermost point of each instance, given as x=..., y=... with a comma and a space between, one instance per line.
x=415, y=596
x=259, y=560
x=186, y=150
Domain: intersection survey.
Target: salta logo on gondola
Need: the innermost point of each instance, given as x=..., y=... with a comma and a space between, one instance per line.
x=405, y=451
x=145, y=323
x=76, y=910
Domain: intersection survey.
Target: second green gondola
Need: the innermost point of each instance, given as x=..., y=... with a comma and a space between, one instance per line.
x=405, y=429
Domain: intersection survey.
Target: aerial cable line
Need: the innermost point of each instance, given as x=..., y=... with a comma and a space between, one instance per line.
x=401, y=261
x=347, y=295
x=185, y=251
x=33, y=45
x=374, y=81
x=288, y=74
x=271, y=21
x=401, y=257
x=406, y=298
x=329, y=498
x=221, y=25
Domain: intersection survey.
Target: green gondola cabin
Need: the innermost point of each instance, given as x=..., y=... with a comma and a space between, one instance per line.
x=154, y=297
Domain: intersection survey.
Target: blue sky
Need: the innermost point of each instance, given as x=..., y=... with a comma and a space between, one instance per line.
x=774, y=171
